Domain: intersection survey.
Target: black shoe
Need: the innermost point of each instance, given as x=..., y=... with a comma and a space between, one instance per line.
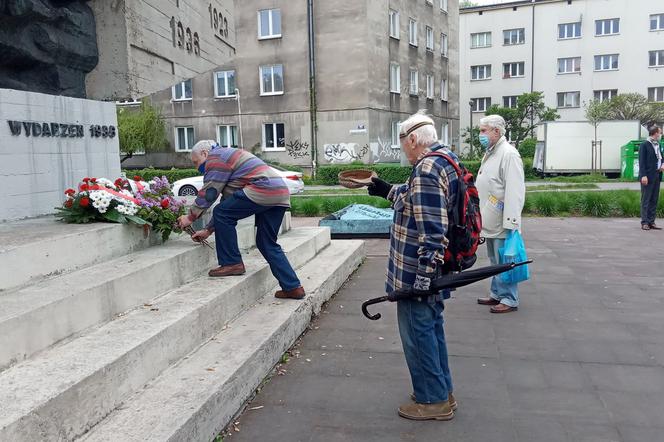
x=653, y=226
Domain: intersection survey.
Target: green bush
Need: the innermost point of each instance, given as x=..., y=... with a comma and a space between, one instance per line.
x=310, y=208
x=596, y=204
x=566, y=203
x=660, y=208
x=629, y=205
x=172, y=174
x=328, y=175
x=545, y=204
x=527, y=148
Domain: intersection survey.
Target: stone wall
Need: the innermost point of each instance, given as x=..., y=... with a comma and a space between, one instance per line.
x=47, y=144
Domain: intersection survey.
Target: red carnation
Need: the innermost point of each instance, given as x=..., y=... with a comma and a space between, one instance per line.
x=84, y=202
x=137, y=178
x=70, y=192
x=83, y=188
x=86, y=179
x=93, y=180
x=165, y=203
x=68, y=204
x=118, y=182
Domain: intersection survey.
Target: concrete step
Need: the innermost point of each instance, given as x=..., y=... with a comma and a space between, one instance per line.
x=201, y=393
x=64, y=391
x=39, y=315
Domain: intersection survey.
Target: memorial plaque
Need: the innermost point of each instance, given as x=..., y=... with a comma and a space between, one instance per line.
x=359, y=220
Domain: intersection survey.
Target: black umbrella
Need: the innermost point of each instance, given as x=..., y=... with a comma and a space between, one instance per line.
x=449, y=281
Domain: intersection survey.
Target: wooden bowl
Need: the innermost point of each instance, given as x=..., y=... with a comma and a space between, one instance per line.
x=356, y=178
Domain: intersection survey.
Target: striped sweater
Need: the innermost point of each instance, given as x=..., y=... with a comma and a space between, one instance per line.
x=228, y=170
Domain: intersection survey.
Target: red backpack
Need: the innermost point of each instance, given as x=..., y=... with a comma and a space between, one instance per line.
x=464, y=220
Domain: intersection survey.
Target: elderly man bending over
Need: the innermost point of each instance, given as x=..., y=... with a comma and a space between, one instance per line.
x=500, y=184
x=248, y=187
x=417, y=247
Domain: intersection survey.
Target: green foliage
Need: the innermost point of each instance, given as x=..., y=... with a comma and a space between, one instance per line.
x=622, y=203
x=328, y=175
x=596, y=204
x=141, y=129
x=310, y=208
x=634, y=106
x=630, y=206
x=529, y=112
x=320, y=205
x=283, y=166
x=527, y=148
x=471, y=136
x=467, y=4
x=591, y=178
x=660, y=208
x=545, y=204
x=171, y=174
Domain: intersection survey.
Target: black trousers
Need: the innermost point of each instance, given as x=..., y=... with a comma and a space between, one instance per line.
x=649, y=197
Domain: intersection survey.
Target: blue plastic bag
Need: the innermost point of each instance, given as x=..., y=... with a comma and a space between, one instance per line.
x=514, y=250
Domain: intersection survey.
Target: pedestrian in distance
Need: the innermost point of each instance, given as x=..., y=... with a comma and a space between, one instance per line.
x=650, y=175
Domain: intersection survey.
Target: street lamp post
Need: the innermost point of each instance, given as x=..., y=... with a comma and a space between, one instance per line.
x=470, y=103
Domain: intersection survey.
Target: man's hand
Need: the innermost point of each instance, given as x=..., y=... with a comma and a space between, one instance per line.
x=201, y=235
x=184, y=221
x=379, y=187
x=644, y=180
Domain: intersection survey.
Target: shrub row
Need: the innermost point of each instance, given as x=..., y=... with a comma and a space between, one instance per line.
x=172, y=174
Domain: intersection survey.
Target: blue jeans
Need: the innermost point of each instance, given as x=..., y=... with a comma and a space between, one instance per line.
x=423, y=340
x=268, y=222
x=507, y=294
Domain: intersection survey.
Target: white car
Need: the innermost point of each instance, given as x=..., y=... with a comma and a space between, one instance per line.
x=191, y=186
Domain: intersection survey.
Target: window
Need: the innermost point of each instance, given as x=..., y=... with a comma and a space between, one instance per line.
x=272, y=79
x=395, y=78
x=569, y=65
x=605, y=94
x=273, y=136
x=269, y=23
x=429, y=2
x=609, y=26
x=443, y=45
x=227, y=136
x=412, y=32
x=182, y=91
x=569, y=30
x=657, y=22
x=445, y=134
x=656, y=94
x=606, y=62
x=414, y=86
x=396, y=129
x=481, y=104
x=482, y=72
x=510, y=101
x=184, y=139
x=430, y=92
x=394, y=24
x=514, y=36
x=429, y=39
x=443, y=5
x=224, y=84
x=480, y=40
x=511, y=70
x=569, y=99
x=444, y=90
x=656, y=59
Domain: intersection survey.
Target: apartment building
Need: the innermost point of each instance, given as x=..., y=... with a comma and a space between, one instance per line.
x=573, y=51
x=321, y=82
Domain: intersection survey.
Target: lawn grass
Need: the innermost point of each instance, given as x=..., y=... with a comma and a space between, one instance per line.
x=561, y=187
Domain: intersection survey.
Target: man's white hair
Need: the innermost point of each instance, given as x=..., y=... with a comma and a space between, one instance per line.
x=426, y=134
x=494, y=121
x=203, y=145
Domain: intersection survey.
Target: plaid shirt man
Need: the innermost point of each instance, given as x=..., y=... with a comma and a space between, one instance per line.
x=417, y=236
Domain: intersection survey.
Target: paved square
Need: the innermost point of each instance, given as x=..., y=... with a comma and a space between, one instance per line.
x=582, y=359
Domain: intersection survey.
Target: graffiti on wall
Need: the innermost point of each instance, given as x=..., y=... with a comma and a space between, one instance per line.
x=344, y=152
x=383, y=152
x=297, y=149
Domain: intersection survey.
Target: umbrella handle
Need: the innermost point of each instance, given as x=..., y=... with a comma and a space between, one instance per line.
x=369, y=302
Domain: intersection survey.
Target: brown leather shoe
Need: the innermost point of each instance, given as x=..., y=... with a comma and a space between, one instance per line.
x=502, y=308
x=451, y=399
x=653, y=226
x=487, y=301
x=645, y=227
x=231, y=270
x=422, y=412
x=296, y=293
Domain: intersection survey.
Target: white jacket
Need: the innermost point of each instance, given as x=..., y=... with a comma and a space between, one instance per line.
x=502, y=189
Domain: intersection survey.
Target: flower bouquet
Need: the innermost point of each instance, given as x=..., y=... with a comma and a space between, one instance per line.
x=100, y=199
x=158, y=206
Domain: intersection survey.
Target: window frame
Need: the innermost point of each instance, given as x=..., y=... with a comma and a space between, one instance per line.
x=612, y=24
x=185, y=98
x=444, y=90
x=274, y=126
x=429, y=39
x=215, y=78
x=412, y=32
x=598, y=94
x=659, y=58
x=430, y=87
x=416, y=84
x=271, y=34
x=397, y=88
x=260, y=77
x=507, y=99
x=565, y=94
x=485, y=70
x=397, y=31
x=518, y=64
x=655, y=91
x=231, y=130
x=601, y=57
x=444, y=6
x=395, y=128
x=178, y=148
x=487, y=41
x=660, y=20
x=520, y=32
x=573, y=71
x=574, y=24
x=444, y=45
x=485, y=100
x=445, y=133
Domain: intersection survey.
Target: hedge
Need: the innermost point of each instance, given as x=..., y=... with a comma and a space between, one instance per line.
x=171, y=174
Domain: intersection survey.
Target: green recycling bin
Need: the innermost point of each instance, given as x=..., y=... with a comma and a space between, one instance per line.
x=629, y=160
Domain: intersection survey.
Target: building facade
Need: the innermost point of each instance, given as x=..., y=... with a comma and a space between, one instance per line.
x=328, y=83
x=573, y=51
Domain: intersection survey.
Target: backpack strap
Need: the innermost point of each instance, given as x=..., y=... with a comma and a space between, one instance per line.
x=457, y=215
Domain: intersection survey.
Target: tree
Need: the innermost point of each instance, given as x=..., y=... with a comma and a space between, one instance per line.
x=635, y=106
x=471, y=136
x=467, y=4
x=141, y=130
x=597, y=111
x=530, y=112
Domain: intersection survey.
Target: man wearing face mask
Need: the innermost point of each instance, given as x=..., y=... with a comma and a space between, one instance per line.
x=650, y=174
x=248, y=187
x=502, y=189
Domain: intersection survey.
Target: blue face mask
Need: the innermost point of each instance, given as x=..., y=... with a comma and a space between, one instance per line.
x=201, y=168
x=484, y=141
